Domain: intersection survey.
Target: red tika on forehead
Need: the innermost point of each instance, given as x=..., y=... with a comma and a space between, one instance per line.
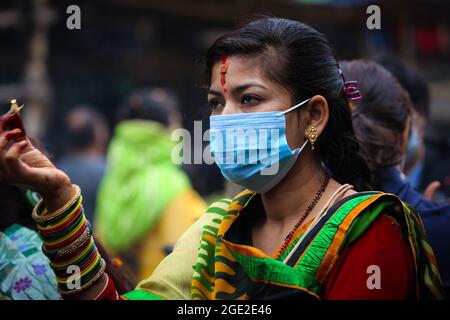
x=223, y=72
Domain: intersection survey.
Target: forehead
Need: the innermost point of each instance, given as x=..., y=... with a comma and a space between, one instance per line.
x=239, y=68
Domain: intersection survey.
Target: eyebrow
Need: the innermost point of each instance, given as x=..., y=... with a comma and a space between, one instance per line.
x=239, y=88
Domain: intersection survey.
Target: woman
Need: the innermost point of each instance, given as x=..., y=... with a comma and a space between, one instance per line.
x=382, y=117
x=305, y=233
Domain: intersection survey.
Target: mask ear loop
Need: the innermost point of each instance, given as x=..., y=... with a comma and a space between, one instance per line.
x=293, y=108
x=299, y=150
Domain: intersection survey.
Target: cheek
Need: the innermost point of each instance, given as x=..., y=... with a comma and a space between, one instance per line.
x=295, y=131
x=404, y=139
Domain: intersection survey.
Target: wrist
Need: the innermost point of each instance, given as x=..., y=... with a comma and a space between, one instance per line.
x=59, y=196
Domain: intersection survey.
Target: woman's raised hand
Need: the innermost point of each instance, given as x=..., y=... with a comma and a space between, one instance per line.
x=22, y=165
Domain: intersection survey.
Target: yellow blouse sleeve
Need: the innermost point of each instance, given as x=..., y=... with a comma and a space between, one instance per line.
x=173, y=276
x=179, y=215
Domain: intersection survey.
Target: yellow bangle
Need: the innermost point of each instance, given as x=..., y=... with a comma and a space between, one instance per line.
x=39, y=218
x=89, y=283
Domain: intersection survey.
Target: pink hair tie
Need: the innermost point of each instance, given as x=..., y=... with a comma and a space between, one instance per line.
x=351, y=90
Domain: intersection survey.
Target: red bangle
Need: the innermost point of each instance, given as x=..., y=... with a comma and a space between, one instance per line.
x=109, y=292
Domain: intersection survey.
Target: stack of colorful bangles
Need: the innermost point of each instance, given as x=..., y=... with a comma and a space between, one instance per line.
x=69, y=245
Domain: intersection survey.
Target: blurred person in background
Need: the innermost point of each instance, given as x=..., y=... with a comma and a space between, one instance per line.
x=419, y=93
x=383, y=120
x=86, y=137
x=145, y=201
x=426, y=170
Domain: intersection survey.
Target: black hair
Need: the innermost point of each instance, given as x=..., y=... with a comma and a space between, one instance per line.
x=411, y=81
x=381, y=116
x=151, y=103
x=81, y=134
x=302, y=60
x=14, y=208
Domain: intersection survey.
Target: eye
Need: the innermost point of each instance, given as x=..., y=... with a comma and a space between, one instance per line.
x=215, y=104
x=250, y=99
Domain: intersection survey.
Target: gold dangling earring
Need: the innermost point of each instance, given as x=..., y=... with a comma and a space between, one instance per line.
x=312, y=136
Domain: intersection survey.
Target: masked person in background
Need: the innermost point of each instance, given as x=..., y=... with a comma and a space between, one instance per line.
x=140, y=171
x=383, y=121
x=419, y=94
x=306, y=227
x=425, y=170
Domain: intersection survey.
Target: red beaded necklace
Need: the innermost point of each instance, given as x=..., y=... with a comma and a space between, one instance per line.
x=308, y=210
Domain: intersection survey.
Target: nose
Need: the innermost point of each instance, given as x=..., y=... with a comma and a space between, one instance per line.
x=231, y=108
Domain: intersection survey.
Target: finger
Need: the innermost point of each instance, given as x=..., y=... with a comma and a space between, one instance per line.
x=10, y=164
x=5, y=121
x=15, y=135
x=15, y=122
x=11, y=161
x=13, y=153
x=7, y=136
x=431, y=189
x=3, y=140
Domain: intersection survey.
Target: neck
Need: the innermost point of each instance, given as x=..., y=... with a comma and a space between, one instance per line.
x=295, y=192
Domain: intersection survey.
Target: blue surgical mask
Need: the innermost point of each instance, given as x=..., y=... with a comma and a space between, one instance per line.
x=251, y=149
x=413, y=143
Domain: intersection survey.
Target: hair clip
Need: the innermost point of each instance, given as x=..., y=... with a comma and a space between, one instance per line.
x=351, y=90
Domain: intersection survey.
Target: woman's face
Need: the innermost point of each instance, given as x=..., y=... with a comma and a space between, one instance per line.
x=238, y=85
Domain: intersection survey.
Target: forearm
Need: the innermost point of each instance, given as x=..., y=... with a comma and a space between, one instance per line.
x=69, y=245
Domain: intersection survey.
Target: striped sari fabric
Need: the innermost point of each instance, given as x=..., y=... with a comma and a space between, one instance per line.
x=229, y=267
